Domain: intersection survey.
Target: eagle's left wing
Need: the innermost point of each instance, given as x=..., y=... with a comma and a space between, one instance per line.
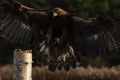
x=97, y=29
x=95, y=36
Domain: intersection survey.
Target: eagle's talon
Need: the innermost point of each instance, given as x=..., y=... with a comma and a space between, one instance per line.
x=52, y=65
x=52, y=68
x=73, y=63
x=67, y=67
x=60, y=65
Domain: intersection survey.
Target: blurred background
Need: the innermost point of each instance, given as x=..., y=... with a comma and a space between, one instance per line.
x=85, y=8
x=81, y=7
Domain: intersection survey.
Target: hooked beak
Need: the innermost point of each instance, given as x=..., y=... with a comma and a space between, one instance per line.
x=55, y=14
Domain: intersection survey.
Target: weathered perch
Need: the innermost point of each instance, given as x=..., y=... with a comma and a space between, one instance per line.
x=22, y=65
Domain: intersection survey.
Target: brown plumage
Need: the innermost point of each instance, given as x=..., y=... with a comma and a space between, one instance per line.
x=66, y=28
x=54, y=38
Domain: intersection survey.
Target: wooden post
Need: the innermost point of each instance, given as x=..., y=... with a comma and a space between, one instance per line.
x=22, y=65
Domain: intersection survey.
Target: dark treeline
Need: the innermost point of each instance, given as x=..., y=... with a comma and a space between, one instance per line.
x=82, y=7
x=85, y=8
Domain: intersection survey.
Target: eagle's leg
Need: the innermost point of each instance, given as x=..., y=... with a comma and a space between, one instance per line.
x=66, y=59
x=70, y=59
x=52, y=64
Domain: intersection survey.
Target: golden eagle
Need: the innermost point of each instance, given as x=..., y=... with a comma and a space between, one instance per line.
x=53, y=33
x=96, y=35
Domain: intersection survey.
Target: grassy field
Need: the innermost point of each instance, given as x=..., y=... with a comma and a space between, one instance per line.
x=81, y=73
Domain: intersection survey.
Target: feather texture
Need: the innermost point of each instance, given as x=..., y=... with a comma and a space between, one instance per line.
x=58, y=40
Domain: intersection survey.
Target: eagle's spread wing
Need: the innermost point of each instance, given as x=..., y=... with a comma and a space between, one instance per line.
x=11, y=27
x=20, y=23
x=98, y=31
x=24, y=25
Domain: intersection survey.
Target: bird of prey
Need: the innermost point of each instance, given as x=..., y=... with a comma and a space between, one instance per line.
x=96, y=35
x=53, y=33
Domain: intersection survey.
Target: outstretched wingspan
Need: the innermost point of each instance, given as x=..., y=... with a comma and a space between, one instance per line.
x=55, y=37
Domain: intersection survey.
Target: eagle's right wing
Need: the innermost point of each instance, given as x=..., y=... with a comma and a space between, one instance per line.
x=13, y=29
x=22, y=24
x=13, y=24
x=19, y=23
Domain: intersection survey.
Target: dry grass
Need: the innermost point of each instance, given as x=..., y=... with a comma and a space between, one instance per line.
x=6, y=72
x=80, y=73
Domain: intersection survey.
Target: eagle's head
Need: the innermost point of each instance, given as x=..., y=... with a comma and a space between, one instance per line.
x=59, y=11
